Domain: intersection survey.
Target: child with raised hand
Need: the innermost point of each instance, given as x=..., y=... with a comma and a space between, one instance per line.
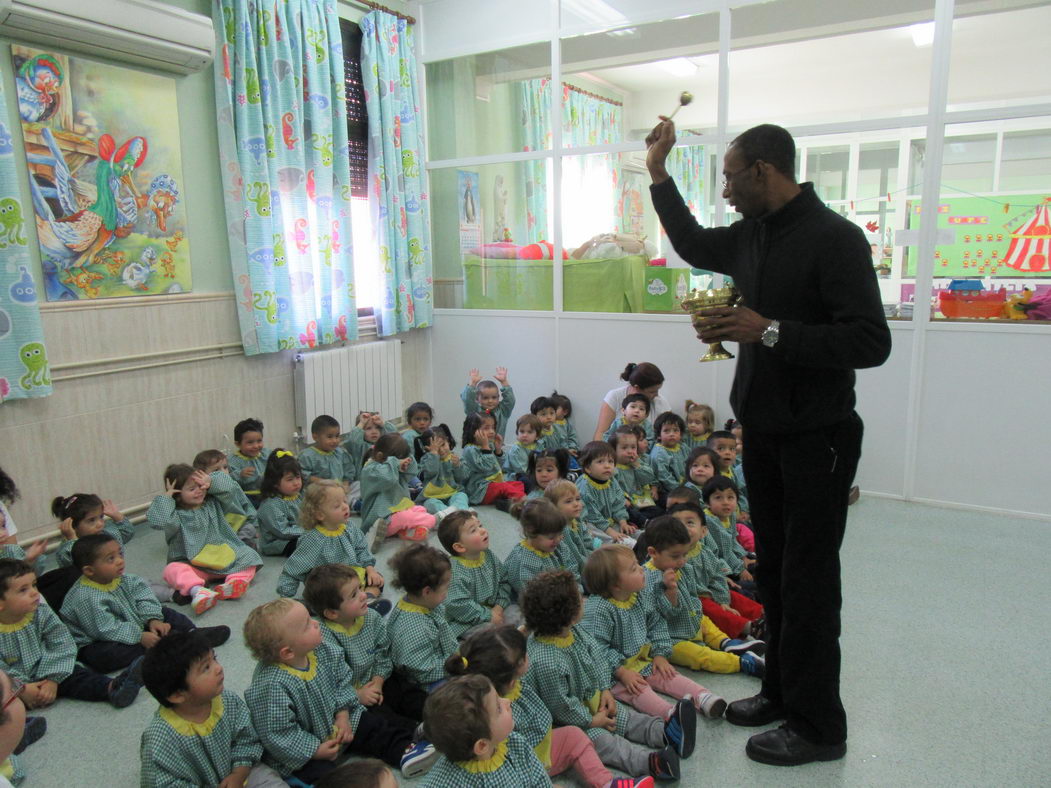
x=201, y=734
x=516, y=456
x=697, y=643
x=564, y=436
x=482, y=453
x=604, y=509
x=304, y=705
x=39, y=651
x=244, y=525
x=326, y=459
x=81, y=514
x=113, y=617
x=578, y=539
x=420, y=636
x=441, y=471
x=623, y=618
x=730, y=611
x=473, y=728
x=569, y=672
x=634, y=477
x=700, y=421
x=281, y=495
x=485, y=396
x=478, y=592
x=418, y=416
x=334, y=594
x=328, y=539
x=541, y=549
x=499, y=654
x=248, y=463
x=385, y=502
x=667, y=456
x=545, y=467
x=634, y=412
x=201, y=544
x=368, y=429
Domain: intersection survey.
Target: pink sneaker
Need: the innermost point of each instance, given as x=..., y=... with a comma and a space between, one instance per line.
x=203, y=600
x=234, y=589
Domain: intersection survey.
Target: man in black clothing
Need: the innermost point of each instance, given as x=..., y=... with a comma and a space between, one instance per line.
x=810, y=315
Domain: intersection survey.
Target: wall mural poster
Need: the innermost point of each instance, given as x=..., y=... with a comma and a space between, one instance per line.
x=104, y=158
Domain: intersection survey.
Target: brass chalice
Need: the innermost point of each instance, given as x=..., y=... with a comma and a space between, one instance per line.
x=697, y=300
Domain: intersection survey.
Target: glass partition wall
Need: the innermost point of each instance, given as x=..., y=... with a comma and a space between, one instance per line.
x=537, y=158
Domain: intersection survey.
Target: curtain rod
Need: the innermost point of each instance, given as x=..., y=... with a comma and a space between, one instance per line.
x=377, y=7
x=589, y=94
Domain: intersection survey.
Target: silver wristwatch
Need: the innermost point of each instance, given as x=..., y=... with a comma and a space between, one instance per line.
x=772, y=333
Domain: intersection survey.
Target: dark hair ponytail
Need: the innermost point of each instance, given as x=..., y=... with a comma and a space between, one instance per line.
x=276, y=468
x=76, y=507
x=494, y=652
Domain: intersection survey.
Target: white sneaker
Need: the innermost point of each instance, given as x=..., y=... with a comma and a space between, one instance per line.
x=439, y=516
x=711, y=705
x=379, y=533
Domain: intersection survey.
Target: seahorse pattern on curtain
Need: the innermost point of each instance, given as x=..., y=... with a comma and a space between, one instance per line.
x=24, y=368
x=400, y=204
x=280, y=98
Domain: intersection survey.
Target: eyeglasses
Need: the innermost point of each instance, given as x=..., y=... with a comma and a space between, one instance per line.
x=17, y=685
x=727, y=179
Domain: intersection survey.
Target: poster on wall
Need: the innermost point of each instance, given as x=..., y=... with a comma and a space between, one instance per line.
x=630, y=206
x=105, y=175
x=470, y=210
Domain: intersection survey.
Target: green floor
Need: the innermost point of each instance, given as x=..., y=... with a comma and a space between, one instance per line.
x=935, y=599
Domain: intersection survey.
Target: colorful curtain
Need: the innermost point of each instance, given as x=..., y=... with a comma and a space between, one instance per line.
x=534, y=101
x=685, y=164
x=24, y=369
x=401, y=212
x=280, y=97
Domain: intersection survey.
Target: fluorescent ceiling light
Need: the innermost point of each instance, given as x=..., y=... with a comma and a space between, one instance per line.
x=678, y=66
x=624, y=32
x=594, y=12
x=922, y=34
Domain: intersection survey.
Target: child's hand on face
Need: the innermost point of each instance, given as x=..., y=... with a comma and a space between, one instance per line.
x=454, y=459
x=35, y=550
x=498, y=443
x=363, y=420
x=501, y=375
x=481, y=439
x=169, y=489
x=432, y=447
x=404, y=464
x=110, y=510
x=671, y=582
x=66, y=527
x=202, y=479
x=475, y=376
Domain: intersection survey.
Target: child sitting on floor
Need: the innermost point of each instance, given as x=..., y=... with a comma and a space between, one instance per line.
x=303, y=703
x=570, y=674
x=418, y=416
x=369, y=428
x=39, y=651
x=578, y=539
x=667, y=456
x=724, y=444
x=623, y=618
x=385, y=503
x=328, y=539
x=516, y=456
x=564, y=436
x=720, y=500
x=544, y=410
x=478, y=592
x=248, y=463
x=201, y=734
x=604, y=510
x=420, y=635
x=634, y=412
x=700, y=419
x=201, y=544
x=485, y=396
x=281, y=495
x=541, y=549
x=244, y=525
x=634, y=477
x=113, y=617
x=473, y=729
x=83, y=513
x=697, y=643
x=326, y=459
x=9, y=547
x=441, y=471
x=545, y=467
x=482, y=454
x=334, y=594
x=499, y=654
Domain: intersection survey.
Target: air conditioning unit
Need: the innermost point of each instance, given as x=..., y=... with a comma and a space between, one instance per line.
x=145, y=32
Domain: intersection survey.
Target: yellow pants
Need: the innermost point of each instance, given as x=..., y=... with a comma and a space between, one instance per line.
x=703, y=653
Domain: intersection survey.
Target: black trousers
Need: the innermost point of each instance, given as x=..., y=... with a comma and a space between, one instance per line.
x=374, y=737
x=106, y=656
x=797, y=487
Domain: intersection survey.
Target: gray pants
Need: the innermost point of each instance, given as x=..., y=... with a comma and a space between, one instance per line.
x=264, y=777
x=620, y=751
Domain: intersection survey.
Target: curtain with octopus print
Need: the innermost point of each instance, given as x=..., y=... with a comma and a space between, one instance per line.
x=24, y=368
x=398, y=181
x=282, y=114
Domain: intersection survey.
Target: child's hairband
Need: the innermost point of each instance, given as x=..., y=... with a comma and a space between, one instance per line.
x=464, y=661
x=283, y=453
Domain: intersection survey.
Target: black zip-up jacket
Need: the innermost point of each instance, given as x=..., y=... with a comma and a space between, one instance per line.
x=809, y=268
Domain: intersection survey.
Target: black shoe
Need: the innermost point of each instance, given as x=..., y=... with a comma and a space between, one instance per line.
x=680, y=731
x=124, y=688
x=664, y=765
x=381, y=606
x=181, y=599
x=784, y=747
x=215, y=636
x=503, y=504
x=754, y=711
x=34, y=731
x=757, y=629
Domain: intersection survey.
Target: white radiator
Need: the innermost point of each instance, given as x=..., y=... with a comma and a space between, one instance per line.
x=344, y=381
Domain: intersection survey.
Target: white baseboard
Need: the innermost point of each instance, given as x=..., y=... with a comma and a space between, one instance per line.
x=967, y=507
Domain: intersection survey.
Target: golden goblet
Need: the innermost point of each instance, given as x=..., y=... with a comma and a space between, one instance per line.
x=697, y=300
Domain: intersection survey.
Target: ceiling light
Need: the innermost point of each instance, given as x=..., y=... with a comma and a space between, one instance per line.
x=624, y=32
x=678, y=66
x=922, y=34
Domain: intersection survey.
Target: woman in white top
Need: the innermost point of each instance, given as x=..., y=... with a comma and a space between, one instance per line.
x=644, y=378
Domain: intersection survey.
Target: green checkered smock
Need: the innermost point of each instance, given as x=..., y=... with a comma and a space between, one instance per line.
x=501, y=413
x=514, y=765
x=669, y=465
x=516, y=459
x=603, y=502
x=122, y=531
x=683, y=620
x=625, y=629
x=711, y=572
x=532, y=720
x=337, y=464
x=440, y=477
x=293, y=710
x=420, y=641
x=578, y=543
x=481, y=467
x=278, y=522
x=318, y=546
x=525, y=562
x=564, y=436
x=365, y=646
x=724, y=533
x=38, y=647
x=115, y=612
x=384, y=489
x=477, y=586
x=646, y=425
x=636, y=483
x=359, y=449
x=177, y=753
x=238, y=462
